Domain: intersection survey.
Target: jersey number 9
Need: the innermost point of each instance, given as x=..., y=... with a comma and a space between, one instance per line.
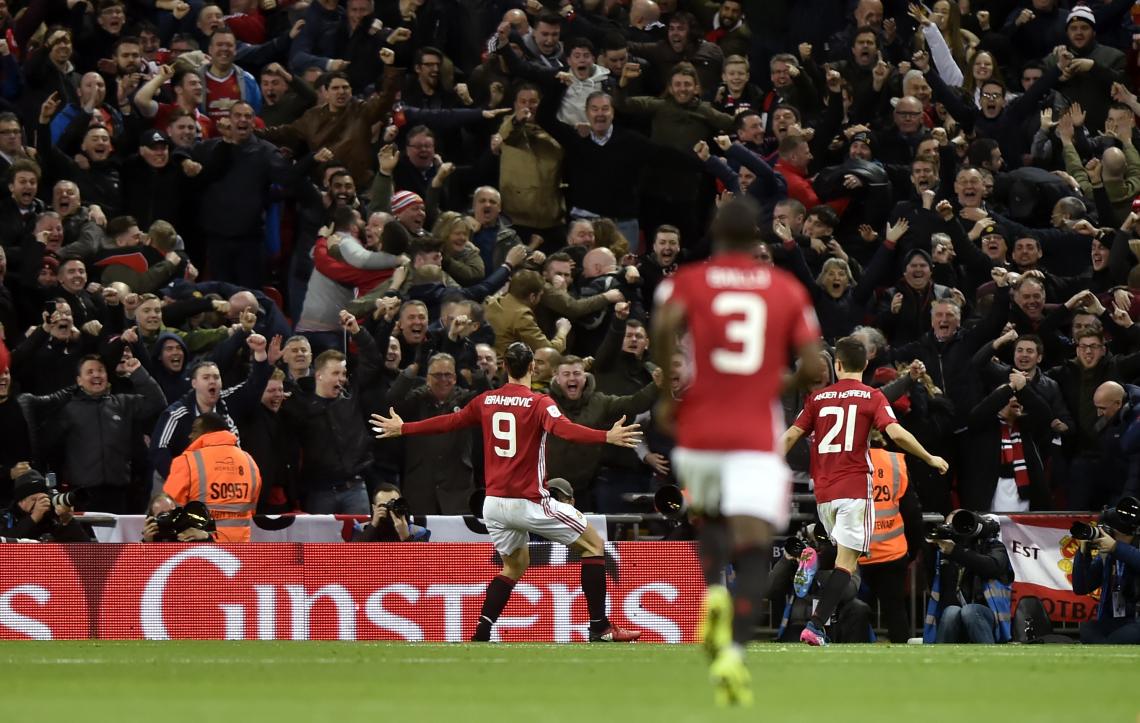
x=503, y=428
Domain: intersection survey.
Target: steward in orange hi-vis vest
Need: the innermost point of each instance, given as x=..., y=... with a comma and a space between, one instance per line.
x=888, y=541
x=214, y=470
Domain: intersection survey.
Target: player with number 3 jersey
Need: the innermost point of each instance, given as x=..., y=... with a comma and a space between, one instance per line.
x=516, y=422
x=741, y=320
x=839, y=419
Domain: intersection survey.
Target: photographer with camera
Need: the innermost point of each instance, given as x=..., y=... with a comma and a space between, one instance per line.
x=1115, y=571
x=977, y=608
x=800, y=574
x=40, y=513
x=391, y=519
x=166, y=522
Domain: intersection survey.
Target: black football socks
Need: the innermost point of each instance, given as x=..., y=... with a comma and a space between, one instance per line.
x=594, y=588
x=830, y=596
x=498, y=593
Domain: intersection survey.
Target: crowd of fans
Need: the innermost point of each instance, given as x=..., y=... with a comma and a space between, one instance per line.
x=295, y=214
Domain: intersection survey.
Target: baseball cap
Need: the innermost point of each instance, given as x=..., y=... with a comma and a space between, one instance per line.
x=995, y=229
x=28, y=484
x=153, y=138
x=561, y=485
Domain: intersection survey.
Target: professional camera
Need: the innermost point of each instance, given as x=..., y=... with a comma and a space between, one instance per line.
x=970, y=525
x=194, y=515
x=939, y=531
x=1124, y=517
x=1085, y=532
x=398, y=507
x=794, y=546
x=71, y=498
x=670, y=502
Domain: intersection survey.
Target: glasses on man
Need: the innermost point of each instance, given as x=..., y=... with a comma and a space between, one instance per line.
x=908, y=113
x=441, y=375
x=991, y=96
x=1089, y=347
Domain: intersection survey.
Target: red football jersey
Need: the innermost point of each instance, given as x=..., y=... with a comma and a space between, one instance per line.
x=743, y=319
x=515, y=423
x=839, y=419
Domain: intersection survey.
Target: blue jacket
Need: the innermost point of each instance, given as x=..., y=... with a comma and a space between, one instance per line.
x=1092, y=573
x=247, y=84
x=1121, y=442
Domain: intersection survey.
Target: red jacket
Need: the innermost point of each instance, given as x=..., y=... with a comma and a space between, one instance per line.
x=800, y=188
x=343, y=273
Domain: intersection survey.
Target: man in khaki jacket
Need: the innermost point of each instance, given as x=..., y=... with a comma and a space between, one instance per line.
x=512, y=315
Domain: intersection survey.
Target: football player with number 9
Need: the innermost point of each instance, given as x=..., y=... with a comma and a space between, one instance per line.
x=516, y=421
x=839, y=419
x=741, y=319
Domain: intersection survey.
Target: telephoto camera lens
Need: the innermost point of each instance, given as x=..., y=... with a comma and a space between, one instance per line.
x=1083, y=531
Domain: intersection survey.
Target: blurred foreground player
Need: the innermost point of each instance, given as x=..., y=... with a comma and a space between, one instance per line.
x=839, y=418
x=516, y=421
x=742, y=319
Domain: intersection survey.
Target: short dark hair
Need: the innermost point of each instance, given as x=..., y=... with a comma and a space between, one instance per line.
x=180, y=75
x=549, y=17
x=517, y=358
x=200, y=365
x=598, y=94
x=560, y=256
x=524, y=283
x=124, y=40
x=428, y=50
x=119, y=225
x=738, y=121
x=420, y=130
x=86, y=358
x=734, y=226
x=1033, y=339
x=613, y=41
x=581, y=42
x=826, y=215
x=528, y=86
x=329, y=77
x=206, y=423
x=344, y=217
x=851, y=353
x=981, y=151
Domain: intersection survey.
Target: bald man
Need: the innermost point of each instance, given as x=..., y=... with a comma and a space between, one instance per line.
x=601, y=273
x=644, y=22
x=1117, y=408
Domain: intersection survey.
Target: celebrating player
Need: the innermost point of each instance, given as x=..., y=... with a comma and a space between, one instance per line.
x=515, y=423
x=742, y=319
x=839, y=419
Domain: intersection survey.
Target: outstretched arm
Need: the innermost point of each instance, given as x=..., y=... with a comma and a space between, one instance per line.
x=907, y=442
x=394, y=426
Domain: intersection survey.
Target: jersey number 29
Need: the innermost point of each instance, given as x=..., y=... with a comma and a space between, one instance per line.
x=503, y=428
x=746, y=331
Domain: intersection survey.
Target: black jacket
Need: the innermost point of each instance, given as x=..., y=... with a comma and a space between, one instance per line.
x=973, y=565
x=93, y=433
x=982, y=467
x=333, y=433
x=15, y=523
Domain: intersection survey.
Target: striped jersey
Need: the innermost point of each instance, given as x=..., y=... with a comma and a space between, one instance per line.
x=515, y=422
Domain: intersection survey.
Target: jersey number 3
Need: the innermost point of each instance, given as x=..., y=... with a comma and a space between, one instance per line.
x=503, y=429
x=827, y=444
x=745, y=330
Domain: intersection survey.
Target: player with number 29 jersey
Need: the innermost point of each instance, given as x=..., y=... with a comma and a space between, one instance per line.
x=744, y=320
x=516, y=422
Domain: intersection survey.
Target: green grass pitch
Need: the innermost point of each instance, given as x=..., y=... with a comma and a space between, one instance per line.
x=425, y=683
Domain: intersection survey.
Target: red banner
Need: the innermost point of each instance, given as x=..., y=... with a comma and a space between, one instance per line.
x=416, y=592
